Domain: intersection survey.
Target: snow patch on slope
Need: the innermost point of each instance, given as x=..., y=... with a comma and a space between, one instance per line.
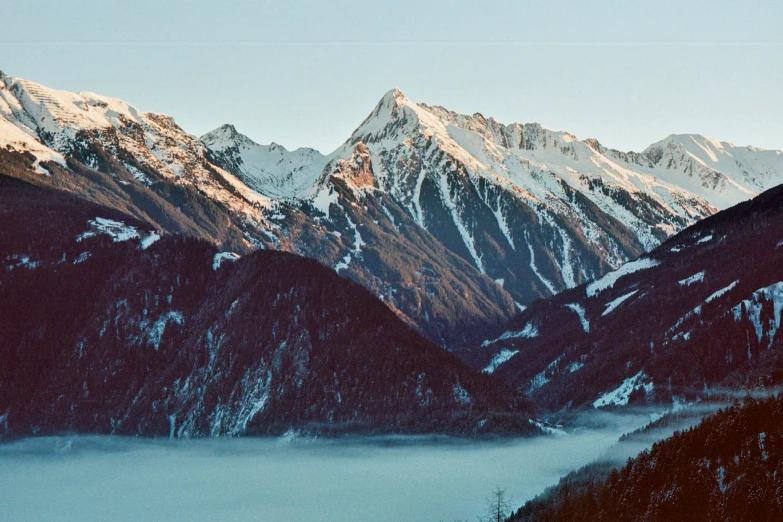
x=547, y=284
x=147, y=241
x=612, y=305
x=221, y=257
x=155, y=332
x=541, y=378
x=695, y=278
x=117, y=230
x=580, y=311
x=721, y=292
x=529, y=332
x=499, y=358
x=611, y=278
x=620, y=395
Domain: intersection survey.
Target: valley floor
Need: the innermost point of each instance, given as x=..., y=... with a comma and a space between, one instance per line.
x=383, y=479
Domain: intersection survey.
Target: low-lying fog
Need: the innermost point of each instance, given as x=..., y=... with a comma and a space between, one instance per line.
x=387, y=479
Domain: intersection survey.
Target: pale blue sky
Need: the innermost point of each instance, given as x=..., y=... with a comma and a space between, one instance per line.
x=306, y=73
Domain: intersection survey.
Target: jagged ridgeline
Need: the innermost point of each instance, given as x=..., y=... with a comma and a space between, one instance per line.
x=108, y=325
x=699, y=314
x=449, y=219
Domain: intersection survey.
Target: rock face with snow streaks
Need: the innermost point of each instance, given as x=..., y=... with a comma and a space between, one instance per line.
x=535, y=210
x=700, y=312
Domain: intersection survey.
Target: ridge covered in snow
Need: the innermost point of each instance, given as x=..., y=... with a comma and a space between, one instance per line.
x=671, y=171
x=53, y=124
x=270, y=169
x=437, y=164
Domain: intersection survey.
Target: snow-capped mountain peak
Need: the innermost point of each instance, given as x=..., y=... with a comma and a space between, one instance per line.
x=393, y=115
x=708, y=166
x=223, y=137
x=270, y=169
x=57, y=118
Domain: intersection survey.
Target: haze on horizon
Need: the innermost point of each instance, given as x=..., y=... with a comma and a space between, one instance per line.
x=307, y=73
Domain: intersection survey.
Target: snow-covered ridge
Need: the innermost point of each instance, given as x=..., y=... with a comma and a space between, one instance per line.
x=488, y=146
x=52, y=124
x=270, y=169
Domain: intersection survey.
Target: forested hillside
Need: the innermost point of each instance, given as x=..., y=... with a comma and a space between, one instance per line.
x=728, y=468
x=108, y=325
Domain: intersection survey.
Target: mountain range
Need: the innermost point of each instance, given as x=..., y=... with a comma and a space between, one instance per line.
x=567, y=274
x=455, y=222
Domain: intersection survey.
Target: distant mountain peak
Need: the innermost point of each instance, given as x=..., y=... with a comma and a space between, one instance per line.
x=222, y=137
x=270, y=169
x=228, y=129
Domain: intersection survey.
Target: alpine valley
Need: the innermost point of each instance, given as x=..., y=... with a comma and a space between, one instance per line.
x=438, y=273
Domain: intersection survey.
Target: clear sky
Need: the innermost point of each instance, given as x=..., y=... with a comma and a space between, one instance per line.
x=307, y=73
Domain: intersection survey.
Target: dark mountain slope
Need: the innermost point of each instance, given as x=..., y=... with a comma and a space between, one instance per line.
x=701, y=311
x=728, y=468
x=174, y=207
x=434, y=290
x=108, y=328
